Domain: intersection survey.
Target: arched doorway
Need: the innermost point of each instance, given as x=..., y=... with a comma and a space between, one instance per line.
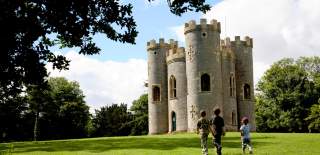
x=174, y=121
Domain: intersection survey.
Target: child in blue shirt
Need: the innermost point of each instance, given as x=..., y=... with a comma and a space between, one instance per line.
x=245, y=135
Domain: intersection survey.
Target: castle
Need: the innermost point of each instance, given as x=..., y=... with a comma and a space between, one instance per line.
x=208, y=73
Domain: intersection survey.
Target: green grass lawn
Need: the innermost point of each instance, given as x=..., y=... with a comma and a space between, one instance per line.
x=175, y=144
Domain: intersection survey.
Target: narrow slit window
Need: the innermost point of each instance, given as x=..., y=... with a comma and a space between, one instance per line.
x=173, y=87
x=233, y=118
x=231, y=85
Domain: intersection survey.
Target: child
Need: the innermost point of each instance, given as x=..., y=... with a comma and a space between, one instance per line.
x=204, y=126
x=245, y=135
x=218, y=126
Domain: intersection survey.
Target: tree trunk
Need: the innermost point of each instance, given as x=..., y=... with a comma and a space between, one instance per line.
x=35, y=129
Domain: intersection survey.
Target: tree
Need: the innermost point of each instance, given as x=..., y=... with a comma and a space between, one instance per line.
x=60, y=110
x=32, y=26
x=285, y=94
x=112, y=121
x=314, y=118
x=38, y=96
x=140, y=116
x=12, y=119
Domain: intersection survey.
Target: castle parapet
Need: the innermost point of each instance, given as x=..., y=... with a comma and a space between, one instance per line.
x=226, y=48
x=152, y=44
x=247, y=42
x=175, y=53
x=192, y=26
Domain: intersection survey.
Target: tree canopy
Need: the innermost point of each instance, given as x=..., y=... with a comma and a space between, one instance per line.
x=111, y=120
x=286, y=92
x=54, y=112
x=30, y=27
x=139, y=109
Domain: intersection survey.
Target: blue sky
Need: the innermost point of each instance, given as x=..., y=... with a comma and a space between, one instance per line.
x=282, y=28
x=153, y=20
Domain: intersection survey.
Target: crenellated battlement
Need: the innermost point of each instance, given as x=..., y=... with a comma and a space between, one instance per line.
x=225, y=43
x=175, y=53
x=152, y=44
x=214, y=25
x=226, y=48
x=247, y=42
x=173, y=44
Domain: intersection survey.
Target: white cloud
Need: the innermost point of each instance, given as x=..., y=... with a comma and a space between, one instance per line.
x=179, y=32
x=281, y=28
x=106, y=82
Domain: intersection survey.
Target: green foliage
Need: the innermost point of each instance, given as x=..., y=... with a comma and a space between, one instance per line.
x=111, y=121
x=182, y=6
x=285, y=94
x=12, y=119
x=32, y=27
x=140, y=116
x=61, y=110
x=314, y=118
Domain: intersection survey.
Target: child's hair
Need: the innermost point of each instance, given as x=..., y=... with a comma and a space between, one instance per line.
x=203, y=113
x=217, y=111
x=245, y=120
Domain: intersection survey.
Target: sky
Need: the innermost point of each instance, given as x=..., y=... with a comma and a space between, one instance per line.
x=281, y=28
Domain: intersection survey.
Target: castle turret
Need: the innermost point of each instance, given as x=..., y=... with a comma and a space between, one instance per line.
x=177, y=88
x=157, y=87
x=203, y=67
x=244, y=78
x=229, y=86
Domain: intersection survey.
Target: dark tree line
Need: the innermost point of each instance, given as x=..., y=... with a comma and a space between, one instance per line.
x=116, y=120
x=59, y=111
x=288, y=98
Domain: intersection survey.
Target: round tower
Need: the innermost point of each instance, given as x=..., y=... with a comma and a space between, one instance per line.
x=203, y=69
x=229, y=86
x=177, y=88
x=244, y=78
x=157, y=87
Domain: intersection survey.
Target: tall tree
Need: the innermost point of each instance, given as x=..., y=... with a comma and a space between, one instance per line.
x=139, y=109
x=60, y=110
x=38, y=96
x=285, y=94
x=32, y=26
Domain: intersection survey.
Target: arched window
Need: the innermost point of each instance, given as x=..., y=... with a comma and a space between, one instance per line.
x=231, y=85
x=246, y=91
x=205, y=82
x=156, y=93
x=173, y=87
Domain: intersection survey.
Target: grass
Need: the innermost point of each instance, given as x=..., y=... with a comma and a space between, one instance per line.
x=170, y=144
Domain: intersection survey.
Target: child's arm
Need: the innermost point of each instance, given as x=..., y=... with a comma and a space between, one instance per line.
x=223, y=131
x=198, y=126
x=241, y=132
x=211, y=130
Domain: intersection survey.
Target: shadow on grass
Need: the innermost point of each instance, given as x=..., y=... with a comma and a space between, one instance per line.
x=97, y=145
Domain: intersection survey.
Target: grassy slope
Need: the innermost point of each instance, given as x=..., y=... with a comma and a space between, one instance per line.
x=182, y=144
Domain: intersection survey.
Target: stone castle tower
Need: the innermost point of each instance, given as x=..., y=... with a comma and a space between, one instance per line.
x=208, y=73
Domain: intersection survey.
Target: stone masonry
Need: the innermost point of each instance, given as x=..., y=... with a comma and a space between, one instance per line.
x=208, y=73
